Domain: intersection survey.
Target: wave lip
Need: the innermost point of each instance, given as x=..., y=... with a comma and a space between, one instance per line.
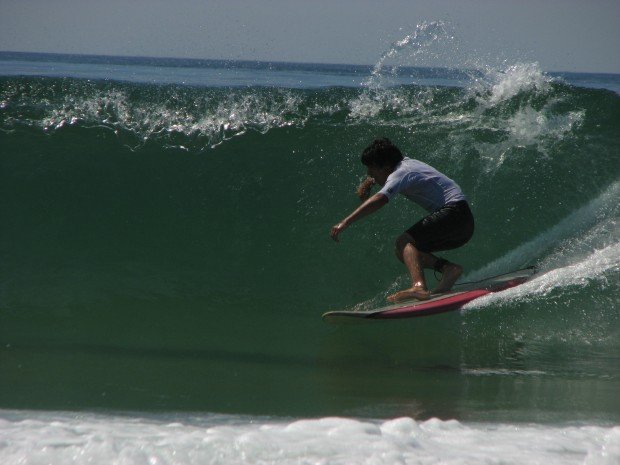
x=518, y=107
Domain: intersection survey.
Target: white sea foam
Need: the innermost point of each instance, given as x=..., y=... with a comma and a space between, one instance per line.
x=499, y=85
x=370, y=103
x=527, y=127
x=596, y=266
x=409, y=51
x=62, y=438
x=230, y=116
x=582, y=248
x=587, y=232
x=535, y=122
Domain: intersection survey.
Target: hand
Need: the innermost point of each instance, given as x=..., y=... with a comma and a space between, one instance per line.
x=363, y=191
x=336, y=230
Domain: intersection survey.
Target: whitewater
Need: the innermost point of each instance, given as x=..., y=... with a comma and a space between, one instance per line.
x=70, y=439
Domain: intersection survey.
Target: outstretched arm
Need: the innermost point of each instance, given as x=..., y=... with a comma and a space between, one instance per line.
x=371, y=205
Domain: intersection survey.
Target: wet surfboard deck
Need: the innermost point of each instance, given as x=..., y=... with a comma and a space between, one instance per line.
x=460, y=295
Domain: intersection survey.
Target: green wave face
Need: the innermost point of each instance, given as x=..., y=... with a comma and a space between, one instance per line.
x=168, y=247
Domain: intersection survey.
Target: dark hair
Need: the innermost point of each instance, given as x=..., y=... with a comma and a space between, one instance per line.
x=381, y=152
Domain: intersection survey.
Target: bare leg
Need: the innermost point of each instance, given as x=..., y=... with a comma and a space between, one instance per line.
x=449, y=274
x=416, y=261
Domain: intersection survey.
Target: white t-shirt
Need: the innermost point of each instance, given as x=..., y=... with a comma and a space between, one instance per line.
x=422, y=184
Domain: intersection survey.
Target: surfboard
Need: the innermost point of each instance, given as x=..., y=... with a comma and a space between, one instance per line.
x=456, y=298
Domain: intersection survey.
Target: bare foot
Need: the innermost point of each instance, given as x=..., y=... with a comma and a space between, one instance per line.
x=408, y=294
x=450, y=273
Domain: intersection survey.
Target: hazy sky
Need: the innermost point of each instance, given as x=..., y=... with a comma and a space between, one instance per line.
x=562, y=35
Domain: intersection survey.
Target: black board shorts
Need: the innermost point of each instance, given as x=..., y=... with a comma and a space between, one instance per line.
x=448, y=228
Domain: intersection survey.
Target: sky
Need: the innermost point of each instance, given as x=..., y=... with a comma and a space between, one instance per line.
x=561, y=35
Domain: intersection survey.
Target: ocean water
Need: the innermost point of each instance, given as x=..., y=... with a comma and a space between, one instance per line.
x=165, y=259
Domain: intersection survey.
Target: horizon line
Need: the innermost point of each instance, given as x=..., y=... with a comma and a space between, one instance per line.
x=260, y=62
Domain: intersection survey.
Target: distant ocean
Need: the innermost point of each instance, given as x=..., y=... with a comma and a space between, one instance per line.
x=165, y=260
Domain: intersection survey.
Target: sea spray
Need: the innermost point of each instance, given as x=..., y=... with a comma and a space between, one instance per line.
x=408, y=50
x=592, y=226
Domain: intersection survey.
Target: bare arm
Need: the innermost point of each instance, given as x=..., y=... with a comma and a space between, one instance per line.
x=371, y=205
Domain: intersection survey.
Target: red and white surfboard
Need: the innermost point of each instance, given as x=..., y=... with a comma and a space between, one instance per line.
x=453, y=300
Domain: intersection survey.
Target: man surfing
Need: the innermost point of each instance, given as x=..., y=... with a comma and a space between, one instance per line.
x=449, y=224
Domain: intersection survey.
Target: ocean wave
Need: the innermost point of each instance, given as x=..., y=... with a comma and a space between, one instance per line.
x=502, y=110
x=148, y=227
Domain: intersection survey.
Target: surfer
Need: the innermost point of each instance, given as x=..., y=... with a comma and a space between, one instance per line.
x=449, y=224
